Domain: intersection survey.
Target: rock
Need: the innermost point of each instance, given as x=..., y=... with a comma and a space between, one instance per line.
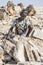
x=8, y=47
x=1, y=43
x=10, y=64
x=1, y=15
x=29, y=52
x=7, y=57
x=16, y=38
x=5, y=15
x=32, y=53
x=19, y=53
x=17, y=48
x=1, y=62
x=17, y=9
x=36, y=51
x=41, y=59
x=30, y=63
x=1, y=53
x=4, y=22
x=34, y=19
x=38, y=34
x=1, y=36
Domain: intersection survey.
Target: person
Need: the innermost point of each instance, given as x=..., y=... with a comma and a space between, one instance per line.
x=31, y=10
x=10, y=8
x=20, y=24
x=10, y=4
x=21, y=5
x=21, y=27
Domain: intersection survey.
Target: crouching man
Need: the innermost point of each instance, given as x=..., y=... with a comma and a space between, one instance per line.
x=22, y=25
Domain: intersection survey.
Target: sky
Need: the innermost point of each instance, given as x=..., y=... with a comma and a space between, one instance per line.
x=25, y=2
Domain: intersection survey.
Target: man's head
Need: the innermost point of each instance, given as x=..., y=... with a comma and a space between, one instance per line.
x=10, y=4
x=10, y=7
x=23, y=13
x=31, y=10
x=21, y=5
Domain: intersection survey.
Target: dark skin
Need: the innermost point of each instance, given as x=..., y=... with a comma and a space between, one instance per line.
x=18, y=31
x=28, y=29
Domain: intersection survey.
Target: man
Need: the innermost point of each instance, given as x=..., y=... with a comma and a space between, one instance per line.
x=31, y=10
x=21, y=5
x=22, y=26
x=10, y=8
